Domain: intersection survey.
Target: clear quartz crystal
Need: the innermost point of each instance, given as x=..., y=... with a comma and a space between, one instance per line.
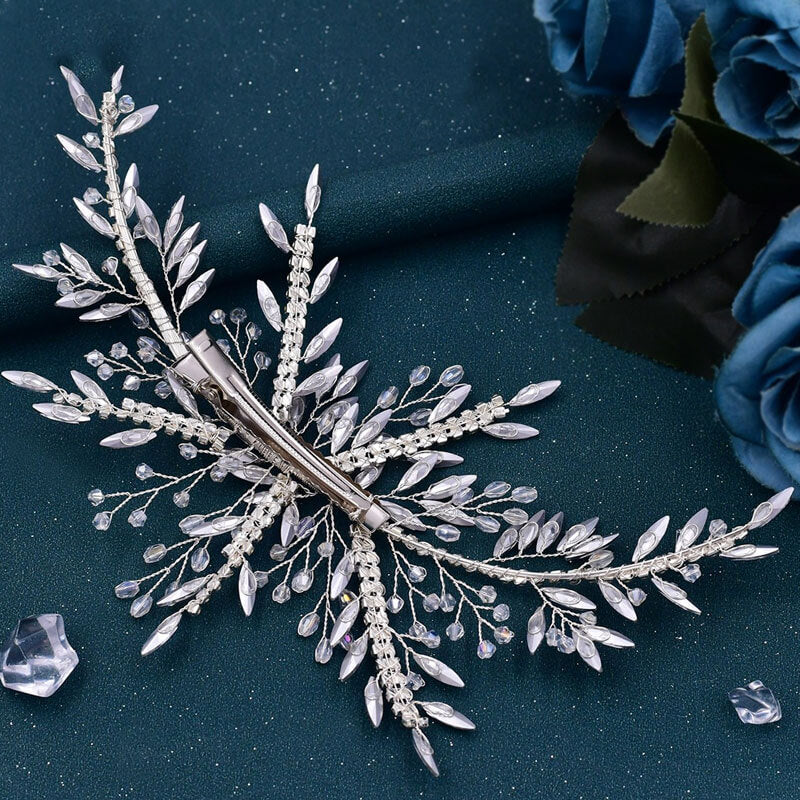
x=37, y=658
x=755, y=704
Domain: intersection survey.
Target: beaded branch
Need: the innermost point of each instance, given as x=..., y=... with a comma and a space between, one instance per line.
x=301, y=468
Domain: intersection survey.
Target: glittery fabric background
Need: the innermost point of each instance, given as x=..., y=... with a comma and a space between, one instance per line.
x=449, y=152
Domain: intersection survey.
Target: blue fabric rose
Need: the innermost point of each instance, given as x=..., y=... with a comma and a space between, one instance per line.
x=758, y=386
x=757, y=54
x=631, y=50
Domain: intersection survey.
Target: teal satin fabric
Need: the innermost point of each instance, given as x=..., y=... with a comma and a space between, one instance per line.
x=449, y=152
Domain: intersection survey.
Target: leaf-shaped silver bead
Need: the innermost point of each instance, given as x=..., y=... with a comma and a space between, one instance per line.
x=93, y=218
x=196, y=289
x=130, y=438
x=149, y=222
x=83, y=103
x=78, y=153
x=247, y=588
x=510, y=431
x=269, y=305
x=674, y=594
x=749, y=552
x=61, y=413
x=183, y=592
x=273, y=228
x=344, y=621
x=29, y=380
x=424, y=750
x=323, y=280
x=355, y=655
x=135, y=120
x=535, y=630
x=79, y=264
x=372, y=428
x=163, y=633
x=89, y=387
x=587, y=651
x=174, y=222
x=447, y=715
x=568, y=598
x=373, y=698
x=104, y=312
x=617, y=600
x=313, y=193
x=649, y=540
x=688, y=534
x=322, y=341
x=767, y=511
x=40, y=271
x=533, y=392
x=214, y=527
x=438, y=669
x=291, y=516
x=450, y=403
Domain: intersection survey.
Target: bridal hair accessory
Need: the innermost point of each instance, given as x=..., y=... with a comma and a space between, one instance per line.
x=301, y=466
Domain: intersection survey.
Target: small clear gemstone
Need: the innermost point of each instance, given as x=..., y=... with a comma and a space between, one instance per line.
x=454, y=631
x=463, y=496
x=138, y=231
x=181, y=499
x=565, y=644
x=238, y=315
x=95, y=358
x=419, y=375
x=51, y=258
x=637, y=596
x=102, y=521
x=253, y=331
x=419, y=417
x=118, y=350
x=144, y=471
x=488, y=594
x=187, y=450
x=92, y=197
x=325, y=549
x=414, y=681
x=190, y=522
x=216, y=317
x=417, y=630
x=302, y=580
x=308, y=624
x=388, y=397
x=691, y=572
x=110, y=265
x=277, y=552
x=199, y=559
x=162, y=390
x=96, y=497
x=126, y=104
x=137, y=518
x=105, y=371
x=417, y=574
x=515, y=516
x=487, y=524
x=447, y=533
x=503, y=634
x=501, y=612
x=131, y=383
x=281, y=593
x=141, y=605
x=91, y=139
x=138, y=318
x=755, y=704
x=262, y=578
x=37, y=658
x=154, y=553
x=262, y=360
x=217, y=473
x=431, y=639
x=395, y=603
x=486, y=649
x=717, y=527
x=452, y=375
x=497, y=489
x=126, y=590
x=64, y=286
x=323, y=651
x=430, y=602
x=447, y=602
x=524, y=494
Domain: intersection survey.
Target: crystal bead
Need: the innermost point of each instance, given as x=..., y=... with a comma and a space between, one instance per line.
x=92, y=197
x=118, y=350
x=452, y=375
x=126, y=590
x=308, y=624
x=105, y=371
x=503, y=634
x=37, y=658
x=388, y=397
x=395, y=604
x=110, y=265
x=154, y=553
x=238, y=315
x=417, y=630
x=126, y=104
x=488, y=594
x=253, y=331
x=717, y=527
x=217, y=473
x=91, y=139
x=691, y=572
x=524, y=494
x=447, y=602
x=414, y=681
x=262, y=360
x=497, y=489
x=224, y=345
x=430, y=602
x=515, y=516
x=277, y=552
x=637, y=596
x=216, y=317
x=417, y=574
x=95, y=358
x=141, y=605
x=419, y=375
x=447, y=533
x=552, y=636
x=181, y=499
x=323, y=651
x=487, y=524
x=162, y=390
x=588, y=618
x=419, y=417
x=454, y=631
x=138, y=318
x=262, y=578
x=138, y=231
x=137, y=517
x=102, y=521
x=325, y=549
x=144, y=471
x=755, y=704
x=131, y=383
x=565, y=644
x=431, y=639
x=501, y=612
x=486, y=649
x=189, y=523
x=64, y=286
x=51, y=258
x=302, y=580
x=463, y=496
x=199, y=559
x=96, y=497
x=187, y=450
x=281, y=593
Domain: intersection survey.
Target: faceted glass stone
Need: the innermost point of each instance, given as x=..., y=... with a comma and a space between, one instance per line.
x=431, y=639
x=137, y=518
x=325, y=549
x=487, y=594
x=144, y=471
x=430, y=602
x=64, y=286
x=102, y=521
x=126, y=590
x=154, y=553
x=419, y=417
x=105, y=371
x=524, y=494
x=138, y=318
x=394, y=603
x=131, y=383
x=92, y=197
x=162, y=390
x=188, y=451
x=515, y=516
x=487, y=524
x=717, y=527
x=109, y=265
x=126, y=104
x=199, y=559
x=497, y=489
x=253, y=331
x=417, y=574
x=501, y=612
x=277, y=552
x=141, y=605
x=262, y=578
x=308, y=624
x=454, y=631
x=96, y=497
x=388, y=397
x=486, y=649
x=419, y=375
x=452, y=375
x=323, y=651
x=414, y=681
x=417, y=630
x=181, y=499
x=637, y=596
x=238, y=315
x=447, y=533
x=503, y=634
x=216, y=317
x=302, y=580
x=447, y=602
x=691, y=572
x=118, y=350
x=91, y=139
x=95, y=358
x=262, y=359
x=37, y=658
x=217, y=474
x=51, y=258
x=755, y=704
x=281, y=593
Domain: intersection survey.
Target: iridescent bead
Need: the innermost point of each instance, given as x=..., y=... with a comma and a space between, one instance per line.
x=486, y=649
x=503, y=634
x=454, y=631
x=501, y=612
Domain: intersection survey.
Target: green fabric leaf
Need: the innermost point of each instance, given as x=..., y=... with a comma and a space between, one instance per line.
x=685, y=189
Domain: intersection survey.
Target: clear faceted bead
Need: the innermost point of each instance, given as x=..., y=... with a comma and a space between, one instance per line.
x=417, y=630
x=281, y=593
x=501, y=612
x=302, y=580
x=216, y=317
x=417, y=574
x=277, y=552
x=102, y=521
x=452, y=375
x=565, y=644
x=487, y=524
x=217, y=473
x=96, y=497
x=419, y=375
x=486, y=649
x=162, y=390
x=126, y=590
x=323, y=651
x=488, y=594
x=419, y=417
x=308, y=624
x=262, y=578
x=524, y=494
x=454, y=631
x=497, y=489
x=637, y=596
x=395, y=603
x=691, y=572
x=131, y=383
x=51, y=258
x=199, y=559
x=262, y=360
x=253, y=331
x=105, y=371
x=92, y=197
x=431, y=639
x=430, y=602
x=154, y=553
x=110, y=265
x=37, y=658
x=238, y=315
x=137, y=518
x=388, y=397
x=755, y=704
x=447, y=602
x=515, y=516
x=447, y=533
x=144, y=471
x=118, y=350
x=94, y=358
x=138, y=318
x=503, y=634
x=187, y=450
x=126, y=104
x=717, y=527
x=141, y=605
x=181, y=499
x=414, y=681
x=64, y=286
x=91, y=139
x=325, y=549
